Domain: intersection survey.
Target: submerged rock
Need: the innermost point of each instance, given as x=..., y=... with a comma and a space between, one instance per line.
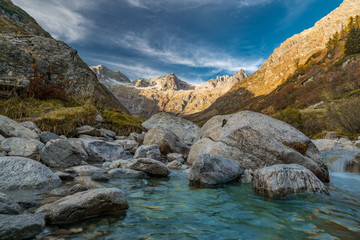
x=256, y=140
x=280, y=180
x=25, y=173
x=83, y=205
x=126, y=173
x=8, y=205
x=209, y=169
x=25, y=226
x=150, y=166
x=148, y=151
x=10, y=128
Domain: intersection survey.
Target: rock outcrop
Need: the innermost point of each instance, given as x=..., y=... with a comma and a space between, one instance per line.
x=107, y=76
x=256, y=140
x=280, y=180
x=28, y=51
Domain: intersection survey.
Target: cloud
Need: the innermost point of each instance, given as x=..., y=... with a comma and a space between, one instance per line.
x=174, y=51
x=61, y=18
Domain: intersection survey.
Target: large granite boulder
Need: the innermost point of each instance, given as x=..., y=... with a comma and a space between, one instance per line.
x=148, y=151
x=10, y=128
x=283, y=179
x=8, y=205
x=101, y=151
x=25, y=173
x=22, y=147
x=25, y=226
x=150, y=166
x=256, y=140
x=209, y=169
x=62, y=153
x=185, y=130
x=87, y=204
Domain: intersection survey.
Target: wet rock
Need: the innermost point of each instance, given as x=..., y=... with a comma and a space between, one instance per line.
x=126, y=173
x=32, y=126
x=247, y=176
x=64, y=176
x=209, y=169
x=137, y=137
x=150, y=166
x=256, y=140
x=21, y=147
x=8, y=205
x=47, y=136
x=10, y=128
x=58, y=192
x=87, y=181
x=83, y=205
x=148, y=151
x=175, y=165
x=280, y=180
x=25, y=173
x=28, y=204
x=25, y=226
x=77, y=188
x=61, y=153
x=101, y=151
x=99, y=177
x=185, y=130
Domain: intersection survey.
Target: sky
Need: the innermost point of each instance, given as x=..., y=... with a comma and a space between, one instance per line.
x=195, y=39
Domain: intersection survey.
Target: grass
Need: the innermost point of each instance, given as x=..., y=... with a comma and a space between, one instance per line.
x=63, y=117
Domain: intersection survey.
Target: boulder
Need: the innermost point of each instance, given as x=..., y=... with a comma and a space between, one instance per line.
x=47, y=136
x=148, y=151
x=10, y=128
x=22, y=147
x=77, y=188
x=137, y=137
x=8, y=205
x=89, y=130
x=280, y=180
x=101, y=151
x=175, y=165
x=128, y=144
x=25, y=173
x=256, y=140
x=32, y=126
x=126, y=173
x=120, y=164
x=185, y=130
x=167, y=141
x=175, y=157
x=150, y=166
x=62, y=153
x=25, y=226
x=209, y=169
x=108, y=133
x=84, y=205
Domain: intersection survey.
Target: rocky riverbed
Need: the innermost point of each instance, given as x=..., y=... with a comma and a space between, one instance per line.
x=52, y=185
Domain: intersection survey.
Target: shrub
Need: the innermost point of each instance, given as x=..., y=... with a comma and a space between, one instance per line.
x=291, y=116
x=346, y=116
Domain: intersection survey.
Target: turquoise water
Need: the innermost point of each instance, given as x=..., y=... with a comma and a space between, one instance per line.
x=170, y=209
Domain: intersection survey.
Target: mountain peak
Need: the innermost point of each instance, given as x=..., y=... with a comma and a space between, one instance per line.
x=108, y=76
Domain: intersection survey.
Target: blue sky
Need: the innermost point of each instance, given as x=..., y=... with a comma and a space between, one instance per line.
x=195, y=39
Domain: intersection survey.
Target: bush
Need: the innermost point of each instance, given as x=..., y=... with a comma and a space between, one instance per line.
x=291, y=116
x=346, y=116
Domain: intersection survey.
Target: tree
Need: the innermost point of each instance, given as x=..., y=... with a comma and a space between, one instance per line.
x=352, y=43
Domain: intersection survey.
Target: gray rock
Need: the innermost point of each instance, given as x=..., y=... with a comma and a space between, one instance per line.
x=77, y=188
x=10, y=128
x=280, y=180
x=122, y=138
x=126, y=173
x=182, y=128
x=47, y=136
x=90, y=131
x=21, y=147
x=175, y=157
x=331, y=144
x=64, y=176
x=137, y=137
x=108, y=133
x=25, y=226
x=87, y=170
x=61, y=153
x=87, y=181
x=32, y=126
x=209, y=169
x=120, y=164
x=167, y=141
x=83, y=205
x=8, y=205
x=150, y=166
x=256, y=140
x=101, y=151
x=174, y=165
x=148, y=151
x=247, y=176
x=357, y=143
x=1, y=138
x=331, y=135
x=25, y=173
x=127, y=144
x=57, y=192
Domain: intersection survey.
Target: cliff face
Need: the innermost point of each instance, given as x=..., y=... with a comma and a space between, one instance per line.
x=283, y=62
x=145, y=97
x=26, y=48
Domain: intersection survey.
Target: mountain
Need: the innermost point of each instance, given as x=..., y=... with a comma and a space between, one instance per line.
x=107, y=76
x=145, y=97
x=28, y=54
x=281, y=65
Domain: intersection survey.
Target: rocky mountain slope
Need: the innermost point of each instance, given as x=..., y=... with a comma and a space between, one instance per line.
x=294, y=52
x=106, y=75
x=145, y=97
x=27, y=52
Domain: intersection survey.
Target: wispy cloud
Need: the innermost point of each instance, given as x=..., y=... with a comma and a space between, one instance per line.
x=61, y=18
